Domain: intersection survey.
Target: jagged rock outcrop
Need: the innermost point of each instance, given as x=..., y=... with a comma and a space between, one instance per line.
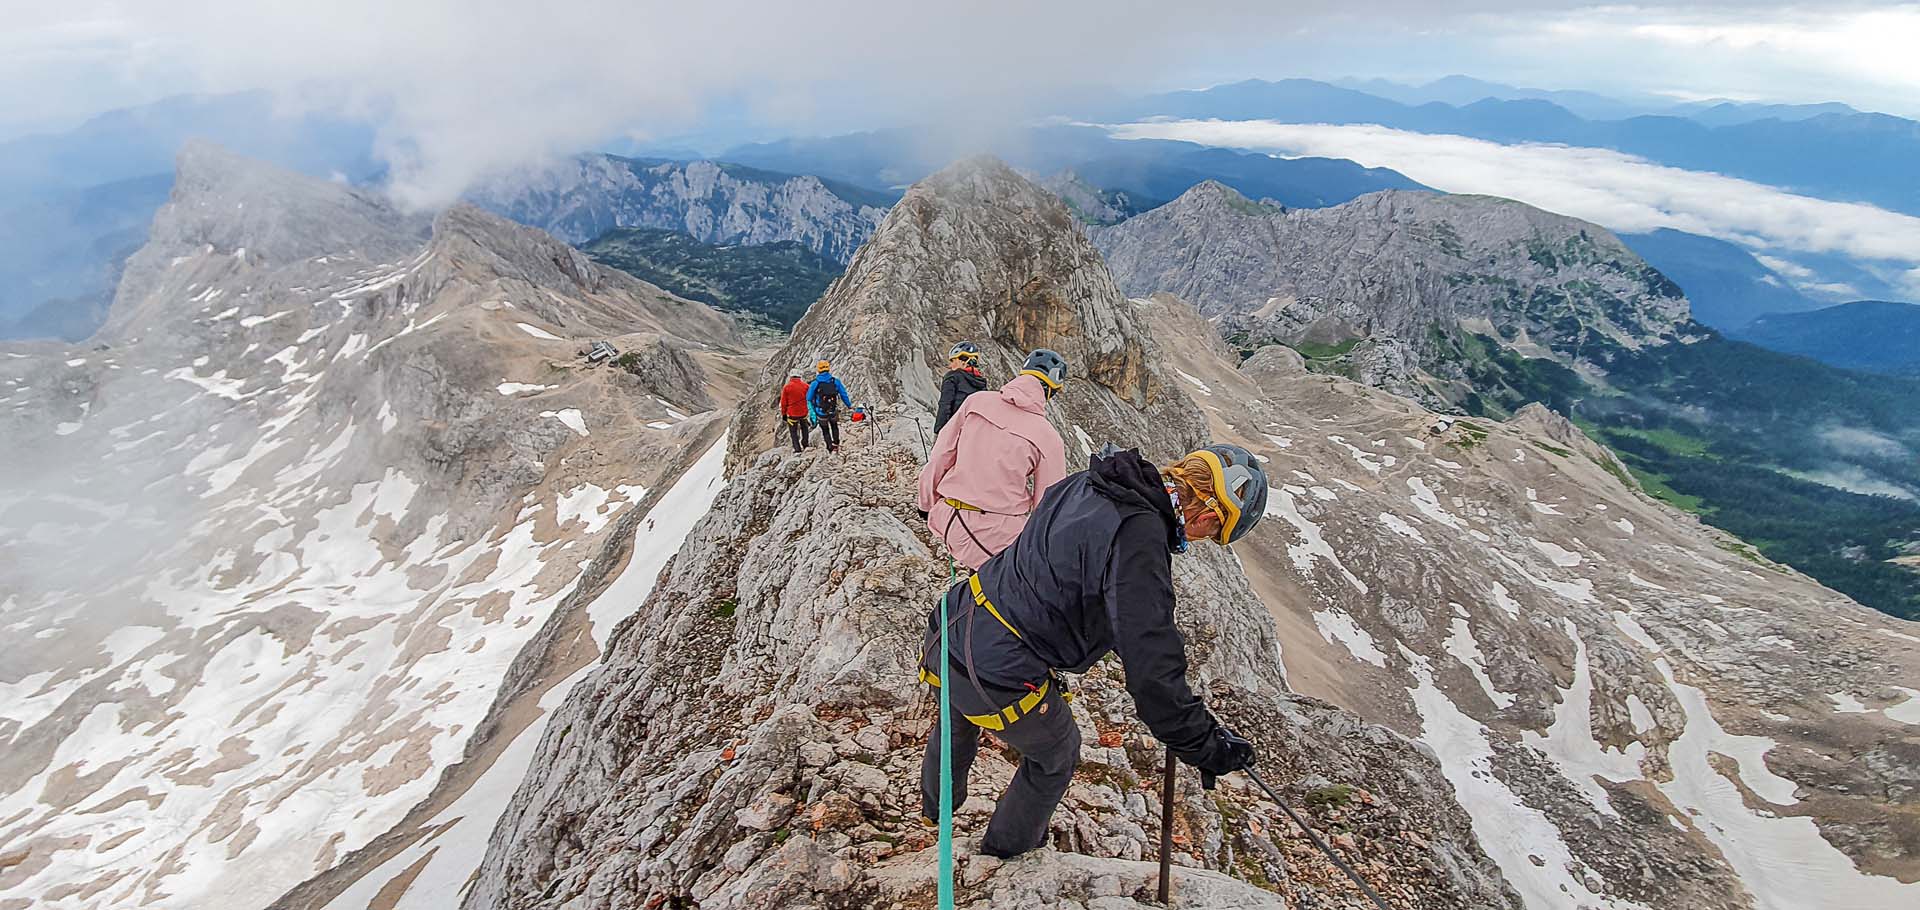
x=1088, y=202
x=667, y=370
x=1637, y=710
x=277, y=536
x=290, y=220
x=578, y=199
x=982, y=254
x=1405, y=266
x=752, y=738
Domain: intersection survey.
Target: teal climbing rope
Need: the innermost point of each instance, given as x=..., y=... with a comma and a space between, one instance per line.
x=945, y=886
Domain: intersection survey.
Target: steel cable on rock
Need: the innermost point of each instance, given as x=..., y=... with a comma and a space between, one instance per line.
x=1378, y=901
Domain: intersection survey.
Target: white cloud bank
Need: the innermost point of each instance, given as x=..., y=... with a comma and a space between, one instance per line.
x=469, y=88
x=1622, y=192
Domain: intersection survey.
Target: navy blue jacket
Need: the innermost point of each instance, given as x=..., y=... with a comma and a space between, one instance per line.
x=1091, y=573
x=954, y=389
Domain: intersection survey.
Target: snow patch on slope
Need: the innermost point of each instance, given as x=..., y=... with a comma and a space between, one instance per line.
x=1783, y=860
x=1570, y=743
x=1337, y=626
x=457, y=838
x=1463, y=647
x=1512, y=832
x=1312, y=545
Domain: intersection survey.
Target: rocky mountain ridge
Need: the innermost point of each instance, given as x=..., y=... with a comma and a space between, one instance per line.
x=475, y=663
x=578, y=199
x=306, y=529
x=1410, y=271
x=751, y=739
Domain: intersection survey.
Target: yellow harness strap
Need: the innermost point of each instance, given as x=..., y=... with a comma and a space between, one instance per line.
x=964, y=507
x=980, y=597
x=1027, y=702
x=1006, y=715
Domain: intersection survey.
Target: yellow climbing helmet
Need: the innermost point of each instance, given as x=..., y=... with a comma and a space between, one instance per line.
x=821, y=367
x=1239, y=489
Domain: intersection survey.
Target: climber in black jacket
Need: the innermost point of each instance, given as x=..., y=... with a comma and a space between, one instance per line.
x=963, y=379
x=1092, y=572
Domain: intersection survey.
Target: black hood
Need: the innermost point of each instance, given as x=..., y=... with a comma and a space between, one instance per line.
x=1127, y=478
x=971, y=377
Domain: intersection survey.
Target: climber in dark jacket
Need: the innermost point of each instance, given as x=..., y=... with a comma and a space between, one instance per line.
x=963, y=378
x=1091, y=573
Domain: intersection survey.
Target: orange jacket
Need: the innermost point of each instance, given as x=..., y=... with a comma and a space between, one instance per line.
x=793, y=398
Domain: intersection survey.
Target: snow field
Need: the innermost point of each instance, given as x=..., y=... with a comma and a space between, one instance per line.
x=462, y=829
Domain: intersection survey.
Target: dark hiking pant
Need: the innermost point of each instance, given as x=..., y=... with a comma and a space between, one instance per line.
x=797, y=431
x=1049, y=745
x=830, y=432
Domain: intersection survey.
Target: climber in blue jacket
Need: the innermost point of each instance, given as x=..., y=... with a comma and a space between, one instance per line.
x=824, y=398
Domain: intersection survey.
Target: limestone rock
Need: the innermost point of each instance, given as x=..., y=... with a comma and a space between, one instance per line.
x=578, y=199
x=830, y=574
x=1398, y=265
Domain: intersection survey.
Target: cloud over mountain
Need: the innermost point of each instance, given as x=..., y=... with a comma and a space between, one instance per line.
x=1620, y=191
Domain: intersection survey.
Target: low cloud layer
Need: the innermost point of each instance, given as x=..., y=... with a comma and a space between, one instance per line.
x=1618, y=191
x=465, y=88
x=1855, y=479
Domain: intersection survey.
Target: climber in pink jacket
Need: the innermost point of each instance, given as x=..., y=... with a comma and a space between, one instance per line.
x=992, y=461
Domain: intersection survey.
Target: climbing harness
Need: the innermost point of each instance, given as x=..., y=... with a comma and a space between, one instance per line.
x=959, y=507
x=999, y=721
x=1028, y=702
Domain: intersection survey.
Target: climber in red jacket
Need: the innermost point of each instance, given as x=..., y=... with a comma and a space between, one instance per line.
x=793, y=408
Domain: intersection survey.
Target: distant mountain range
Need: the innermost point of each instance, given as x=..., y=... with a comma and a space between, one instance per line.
x=581, y=198
x=142, y=141
x=1151, y=170
x=1876, y=336
x=1850, y=156
x=1463, y=90
x=74, y=203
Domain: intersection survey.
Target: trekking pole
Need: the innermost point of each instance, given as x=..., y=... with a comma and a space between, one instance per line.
x=921, y=431
x=1297, y=820
x=1166, y=830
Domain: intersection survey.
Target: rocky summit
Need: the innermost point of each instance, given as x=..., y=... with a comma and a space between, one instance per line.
x=1409, y=272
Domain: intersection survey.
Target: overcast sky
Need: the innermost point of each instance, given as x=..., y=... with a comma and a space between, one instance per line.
x=478, y=85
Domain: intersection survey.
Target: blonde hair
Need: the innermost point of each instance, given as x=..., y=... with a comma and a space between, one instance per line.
x=1192, y=477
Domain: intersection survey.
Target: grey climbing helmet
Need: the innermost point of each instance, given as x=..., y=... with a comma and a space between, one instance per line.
x=1239, y=493
x=1049, y=367
x=965, y=350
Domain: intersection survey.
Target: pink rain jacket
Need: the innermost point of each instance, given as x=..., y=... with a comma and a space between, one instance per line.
x=998, y=453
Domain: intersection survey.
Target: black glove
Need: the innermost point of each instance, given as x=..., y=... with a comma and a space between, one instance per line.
x=923, y=514
x=1227, y=753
